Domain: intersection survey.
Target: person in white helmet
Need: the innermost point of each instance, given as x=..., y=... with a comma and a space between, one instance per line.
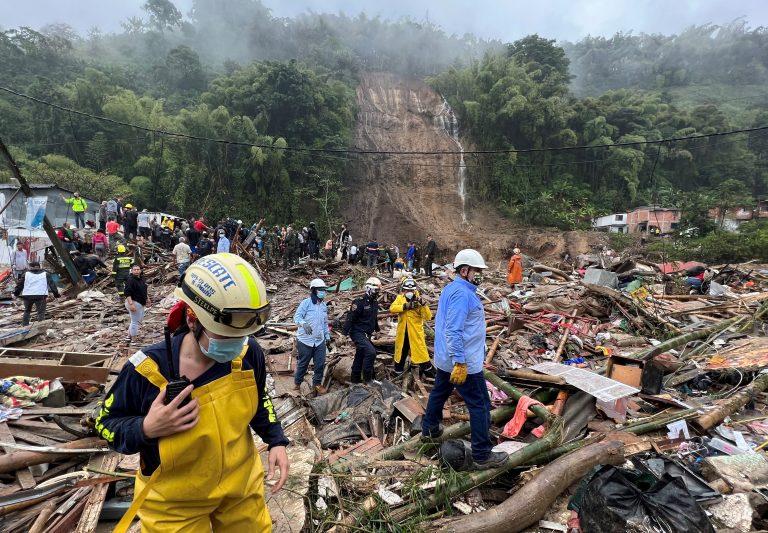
x=200, y=469
x=362, y=321
x=313, y=336
x=459, y=358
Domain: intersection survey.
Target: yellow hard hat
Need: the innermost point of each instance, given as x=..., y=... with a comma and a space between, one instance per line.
x=128, y=206
x=121, y=249
x=226, y=293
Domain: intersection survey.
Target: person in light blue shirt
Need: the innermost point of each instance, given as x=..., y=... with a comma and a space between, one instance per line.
x=313, y=336
x=223, y=245
x=459, y=357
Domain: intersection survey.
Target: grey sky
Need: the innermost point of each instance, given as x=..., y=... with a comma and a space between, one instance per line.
x=506, y=20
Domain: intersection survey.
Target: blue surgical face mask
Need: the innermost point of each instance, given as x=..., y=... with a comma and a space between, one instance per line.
x=320, y=294
x=223, y=350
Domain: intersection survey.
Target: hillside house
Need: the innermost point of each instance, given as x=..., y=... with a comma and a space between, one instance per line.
x=616, y=223
x=737, y=216
x=646, y=219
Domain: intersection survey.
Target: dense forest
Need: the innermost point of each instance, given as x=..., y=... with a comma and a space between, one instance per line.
x=520, y=100
x=274, y=87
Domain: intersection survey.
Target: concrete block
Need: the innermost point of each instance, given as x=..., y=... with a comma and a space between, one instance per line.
x=598, y=276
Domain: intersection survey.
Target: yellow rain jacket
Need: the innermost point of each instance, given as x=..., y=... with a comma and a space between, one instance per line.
x=413, y=321
x=210, y=475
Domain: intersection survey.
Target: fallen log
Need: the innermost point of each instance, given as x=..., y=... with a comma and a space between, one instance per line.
x=557, y=273
x=13, y=461
x=731, y=405
x=529, y=504
x=533, y=376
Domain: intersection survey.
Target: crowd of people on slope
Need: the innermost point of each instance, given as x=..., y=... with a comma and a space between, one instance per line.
x=390, y=258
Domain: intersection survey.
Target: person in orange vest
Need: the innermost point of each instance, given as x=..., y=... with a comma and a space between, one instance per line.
x=515, y=268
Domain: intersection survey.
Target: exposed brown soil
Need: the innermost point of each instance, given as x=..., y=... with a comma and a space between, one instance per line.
x=402, y=197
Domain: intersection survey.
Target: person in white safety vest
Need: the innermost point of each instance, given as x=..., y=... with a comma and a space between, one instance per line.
x=33, y=289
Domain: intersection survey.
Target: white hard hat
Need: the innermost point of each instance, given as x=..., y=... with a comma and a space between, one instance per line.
x=373, y=283
x=516, y=250
x=469, y=257
x=317, y=283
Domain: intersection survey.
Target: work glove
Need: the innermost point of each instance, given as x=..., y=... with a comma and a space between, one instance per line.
x=459, y=374
x=307, y=328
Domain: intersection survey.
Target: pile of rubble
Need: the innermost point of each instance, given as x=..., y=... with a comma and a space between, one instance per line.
x=630, y=389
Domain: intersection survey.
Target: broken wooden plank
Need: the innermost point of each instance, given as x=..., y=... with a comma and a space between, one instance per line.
x=14, y=461
x=24, y=475
x=68, y=373
x=90, y=516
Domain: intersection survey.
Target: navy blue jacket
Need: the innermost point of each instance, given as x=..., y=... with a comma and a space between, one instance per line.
x=121, y=417
x=362, y=316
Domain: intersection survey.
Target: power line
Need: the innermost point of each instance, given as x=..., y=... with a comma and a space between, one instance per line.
x=373, y=152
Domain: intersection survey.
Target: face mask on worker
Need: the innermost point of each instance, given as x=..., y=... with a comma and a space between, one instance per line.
x=474, y=276
x=372, y=292
x=320, y=295
x=223, y=350
x=409, y=295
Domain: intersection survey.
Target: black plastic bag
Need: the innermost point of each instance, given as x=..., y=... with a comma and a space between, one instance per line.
x=612, y=502
x=457, y=454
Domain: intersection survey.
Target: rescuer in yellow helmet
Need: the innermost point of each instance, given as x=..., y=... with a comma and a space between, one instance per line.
x=186, y=406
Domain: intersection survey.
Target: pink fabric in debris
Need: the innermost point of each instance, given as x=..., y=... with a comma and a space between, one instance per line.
x=513, y=427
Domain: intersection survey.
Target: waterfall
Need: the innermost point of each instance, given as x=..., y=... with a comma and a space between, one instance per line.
x=446, y=120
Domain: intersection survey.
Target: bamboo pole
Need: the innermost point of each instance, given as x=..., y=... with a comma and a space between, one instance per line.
x=494, y=347
x=682, y=340
x=732, y=404
x=563, y=341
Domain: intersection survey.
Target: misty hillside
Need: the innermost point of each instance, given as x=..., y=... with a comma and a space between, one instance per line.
x=231, y=70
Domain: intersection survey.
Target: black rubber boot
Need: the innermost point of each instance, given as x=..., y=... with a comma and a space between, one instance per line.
x=494, y=460
x=426, y=370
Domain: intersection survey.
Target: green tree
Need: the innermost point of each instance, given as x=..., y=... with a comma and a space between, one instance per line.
x=163, y=14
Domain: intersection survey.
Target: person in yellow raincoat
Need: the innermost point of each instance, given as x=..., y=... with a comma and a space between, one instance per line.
x=200, y=469
x=411, y=314
x=515, y=268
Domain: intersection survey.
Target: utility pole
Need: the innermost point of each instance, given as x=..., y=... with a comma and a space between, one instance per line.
x=77, y=280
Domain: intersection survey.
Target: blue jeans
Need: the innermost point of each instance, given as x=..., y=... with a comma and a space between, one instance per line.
x=136, y=317
x=80, y=219
x=307, y=354
x=183, y=268
x=372, y=260
x=475, y=395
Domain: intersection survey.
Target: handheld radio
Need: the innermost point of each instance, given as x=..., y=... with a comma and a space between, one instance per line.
x=176, y=383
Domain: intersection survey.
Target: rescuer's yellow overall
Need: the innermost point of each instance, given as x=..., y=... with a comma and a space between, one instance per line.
x=210, y=476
